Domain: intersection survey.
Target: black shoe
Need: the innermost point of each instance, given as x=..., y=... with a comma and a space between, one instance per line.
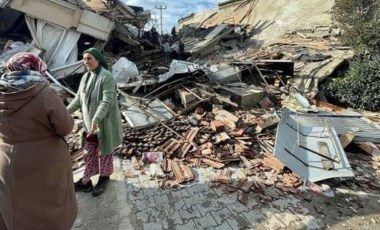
x=100, y=187
x=80, y=187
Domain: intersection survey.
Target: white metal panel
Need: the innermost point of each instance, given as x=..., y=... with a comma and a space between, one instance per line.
x=95, y=25
x=307, y=150
x=136, y=117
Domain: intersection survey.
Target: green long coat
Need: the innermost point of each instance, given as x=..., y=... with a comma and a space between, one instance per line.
x=107, y=114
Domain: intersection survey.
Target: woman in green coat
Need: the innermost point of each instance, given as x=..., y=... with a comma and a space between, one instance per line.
x=96, y=97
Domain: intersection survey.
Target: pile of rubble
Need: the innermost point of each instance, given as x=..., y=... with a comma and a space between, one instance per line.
x=230, y=103
x=189, y=120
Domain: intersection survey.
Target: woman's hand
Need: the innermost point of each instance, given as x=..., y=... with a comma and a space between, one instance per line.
x=93, y=128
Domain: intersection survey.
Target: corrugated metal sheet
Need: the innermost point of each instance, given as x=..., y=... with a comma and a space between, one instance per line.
x=364, y=129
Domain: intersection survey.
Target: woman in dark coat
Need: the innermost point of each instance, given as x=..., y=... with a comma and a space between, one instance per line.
x=36, y=180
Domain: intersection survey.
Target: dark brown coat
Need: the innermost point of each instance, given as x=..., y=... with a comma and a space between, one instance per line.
x=36, y=181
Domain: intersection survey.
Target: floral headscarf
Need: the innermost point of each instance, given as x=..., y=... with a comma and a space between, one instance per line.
x=27, y=61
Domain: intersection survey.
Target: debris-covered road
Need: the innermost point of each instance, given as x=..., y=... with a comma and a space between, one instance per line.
x=138, y=203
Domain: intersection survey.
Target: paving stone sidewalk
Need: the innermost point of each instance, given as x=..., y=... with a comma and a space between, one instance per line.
x=138, y=203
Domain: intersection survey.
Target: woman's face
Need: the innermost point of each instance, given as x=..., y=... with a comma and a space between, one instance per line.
x=90, y=62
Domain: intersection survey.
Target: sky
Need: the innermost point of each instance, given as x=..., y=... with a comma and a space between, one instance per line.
x=175, y=9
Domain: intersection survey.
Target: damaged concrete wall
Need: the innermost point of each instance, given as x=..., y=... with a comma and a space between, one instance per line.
x=67, y=16
x=57, y=12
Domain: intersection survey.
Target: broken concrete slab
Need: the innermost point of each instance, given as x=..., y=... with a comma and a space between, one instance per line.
x=242, y=94
x=266, y=121
x=224, y=73
x=188, y=96
x=67, y=16
x=345, y=139
x=224, y=115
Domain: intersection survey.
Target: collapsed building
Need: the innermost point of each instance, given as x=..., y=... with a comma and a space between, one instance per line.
x=61, y=30
x=250, y=92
